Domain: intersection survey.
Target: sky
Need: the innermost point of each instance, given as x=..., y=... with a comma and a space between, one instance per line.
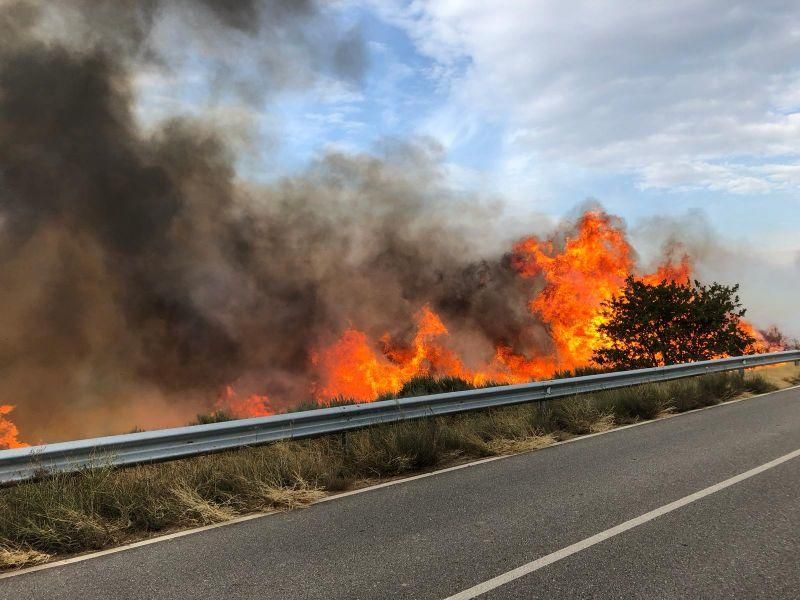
x=684, y=108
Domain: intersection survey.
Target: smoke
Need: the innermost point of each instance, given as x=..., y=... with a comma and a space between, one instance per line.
x=140, y=276
x=768, y=290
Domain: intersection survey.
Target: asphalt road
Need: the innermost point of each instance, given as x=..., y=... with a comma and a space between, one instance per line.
x=438, y=536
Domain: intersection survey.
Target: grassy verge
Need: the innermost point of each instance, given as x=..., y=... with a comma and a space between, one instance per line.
x=103, y=507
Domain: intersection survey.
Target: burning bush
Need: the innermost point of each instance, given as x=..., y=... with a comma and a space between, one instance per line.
x=774, y=339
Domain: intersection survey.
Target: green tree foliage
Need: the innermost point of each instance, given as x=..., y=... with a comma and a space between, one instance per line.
x=669, y=323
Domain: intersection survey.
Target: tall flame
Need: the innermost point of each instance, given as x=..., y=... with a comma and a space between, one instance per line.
x=590, y=269
x=353, y=368
x=580, y=273
x=8, y=431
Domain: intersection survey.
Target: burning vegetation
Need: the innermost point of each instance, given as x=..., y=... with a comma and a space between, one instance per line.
x=8, y=431
x=581, y=269
x=144, y=281
x=586, y=268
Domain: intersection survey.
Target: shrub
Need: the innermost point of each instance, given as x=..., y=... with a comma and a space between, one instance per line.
x=580, y=415
x=580, y=372
x=637, y=403
x=758, y=384
x=312, y=405
x=684, y=394
x=394, y=449
x=717, y=387
x=426, y=384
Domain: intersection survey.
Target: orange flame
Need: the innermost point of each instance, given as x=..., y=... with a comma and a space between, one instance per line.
x=590, y=269
x=8, y=431
x=353, y=368
x=670, y=271
x=579, y=272
x=761, y=343
x=244, y=407
x=587, y=269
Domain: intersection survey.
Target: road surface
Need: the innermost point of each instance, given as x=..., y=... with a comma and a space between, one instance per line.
x=443, y=535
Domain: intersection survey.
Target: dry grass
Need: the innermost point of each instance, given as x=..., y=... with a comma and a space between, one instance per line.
x=15, y=559
x=102, y=507
x=534, y=442
x=781, y=375
x=288, y=498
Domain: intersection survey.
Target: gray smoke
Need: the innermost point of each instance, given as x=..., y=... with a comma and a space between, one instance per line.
x=768, y=290
x=140, y=277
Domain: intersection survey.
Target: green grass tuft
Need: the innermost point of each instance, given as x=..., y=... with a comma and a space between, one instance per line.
x=632, y=404
x=580, y=415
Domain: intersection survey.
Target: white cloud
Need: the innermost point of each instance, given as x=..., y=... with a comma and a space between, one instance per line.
x=684, y=93
x=728, y=177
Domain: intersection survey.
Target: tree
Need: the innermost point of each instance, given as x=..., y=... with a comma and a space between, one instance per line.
x=669, y=323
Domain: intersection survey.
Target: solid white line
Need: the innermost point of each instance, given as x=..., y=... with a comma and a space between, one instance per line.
x=377, y=486
x=147, y=542
x=385, y=484
x=549, y=559
x=185, y=532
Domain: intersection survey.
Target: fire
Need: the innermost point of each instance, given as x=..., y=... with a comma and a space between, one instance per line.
x=510, y=367
x=770, y=339
x=353, y=368
x=762, y=344
x=590, y=269
x=670, y=271
x=580, y=273
x=244, y=407
x=8, y=431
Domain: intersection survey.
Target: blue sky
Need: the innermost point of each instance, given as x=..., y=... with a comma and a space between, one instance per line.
x=653, y=109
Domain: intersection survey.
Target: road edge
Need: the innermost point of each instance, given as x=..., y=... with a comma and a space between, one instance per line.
x=377, y=486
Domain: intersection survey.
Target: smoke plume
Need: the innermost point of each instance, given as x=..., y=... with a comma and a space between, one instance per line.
x=769, y=290
x=142, y=276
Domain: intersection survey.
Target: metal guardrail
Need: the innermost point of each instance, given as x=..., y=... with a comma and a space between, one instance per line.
x=21, y=464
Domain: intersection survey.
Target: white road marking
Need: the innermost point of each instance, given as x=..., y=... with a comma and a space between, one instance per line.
x=549, y=559
x=185, y=532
